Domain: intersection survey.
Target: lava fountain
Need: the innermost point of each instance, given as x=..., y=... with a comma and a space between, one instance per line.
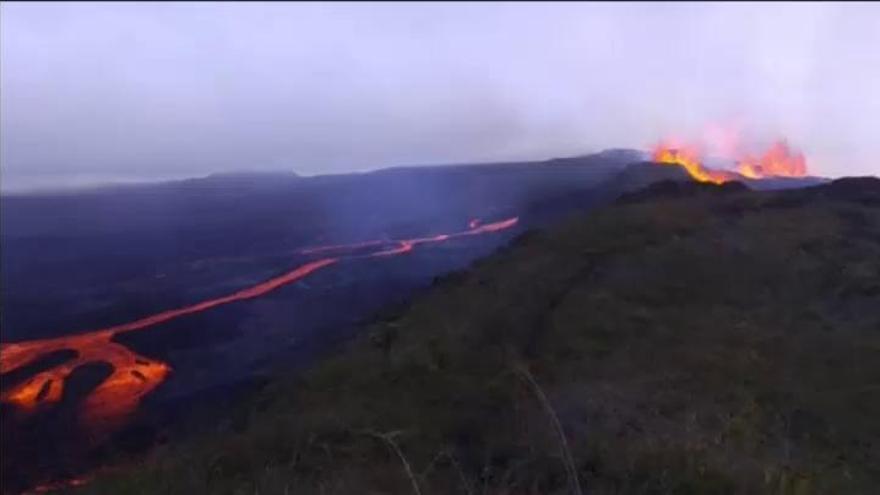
x=777, y=161
x=134, y=376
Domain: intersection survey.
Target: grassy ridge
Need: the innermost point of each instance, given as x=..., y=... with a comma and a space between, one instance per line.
x=675, y=343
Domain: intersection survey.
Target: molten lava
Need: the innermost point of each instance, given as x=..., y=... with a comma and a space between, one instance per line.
x=777, y=161
x=689, y=159
x=134, y=375
x=59, y=485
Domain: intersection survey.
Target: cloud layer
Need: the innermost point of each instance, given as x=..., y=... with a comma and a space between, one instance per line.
x=131, y=91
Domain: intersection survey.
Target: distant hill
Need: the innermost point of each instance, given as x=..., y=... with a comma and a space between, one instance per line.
x=246, y=177
x=686, y=339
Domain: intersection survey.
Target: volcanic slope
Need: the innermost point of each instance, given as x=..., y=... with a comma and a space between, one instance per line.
x=686, y=339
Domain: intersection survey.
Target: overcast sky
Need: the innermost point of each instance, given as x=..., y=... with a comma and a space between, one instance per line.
x=135, y=91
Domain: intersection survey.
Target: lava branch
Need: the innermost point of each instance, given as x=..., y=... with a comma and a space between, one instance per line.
x=134, y=375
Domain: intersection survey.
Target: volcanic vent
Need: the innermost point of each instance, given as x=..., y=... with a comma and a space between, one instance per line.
x=776, y=161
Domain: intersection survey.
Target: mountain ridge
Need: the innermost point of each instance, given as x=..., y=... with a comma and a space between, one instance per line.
x=687, y=339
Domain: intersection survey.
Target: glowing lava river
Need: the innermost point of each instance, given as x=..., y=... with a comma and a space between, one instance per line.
x=134, y=375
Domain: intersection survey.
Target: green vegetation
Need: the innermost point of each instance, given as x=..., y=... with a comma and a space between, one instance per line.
x=706, y=343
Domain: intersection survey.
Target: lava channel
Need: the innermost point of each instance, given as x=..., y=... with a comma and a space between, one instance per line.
x=134, y=375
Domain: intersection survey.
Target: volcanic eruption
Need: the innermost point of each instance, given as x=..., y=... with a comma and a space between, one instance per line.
x=776, y=161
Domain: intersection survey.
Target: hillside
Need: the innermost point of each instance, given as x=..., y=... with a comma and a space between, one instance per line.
x=686, y=339
x=79, y=261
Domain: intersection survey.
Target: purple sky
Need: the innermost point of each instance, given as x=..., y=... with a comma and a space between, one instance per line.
x=136, y=91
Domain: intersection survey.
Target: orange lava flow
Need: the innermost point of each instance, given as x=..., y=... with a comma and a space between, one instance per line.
x=404, y=245
x=777, y=161
x=134, y=375
x=689, y=159
x=50, y=487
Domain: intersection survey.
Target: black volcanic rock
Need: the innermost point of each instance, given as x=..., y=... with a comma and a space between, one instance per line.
x=780, y=183
x=676, y=189
x=638, y=175
x=862, y=190
x=859, y=189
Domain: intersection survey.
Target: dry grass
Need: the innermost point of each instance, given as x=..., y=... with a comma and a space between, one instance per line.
x=714, y=344
x=565, y=452
x=388, y=438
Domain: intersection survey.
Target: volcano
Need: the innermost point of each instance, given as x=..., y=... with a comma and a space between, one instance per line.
x=122, y=305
